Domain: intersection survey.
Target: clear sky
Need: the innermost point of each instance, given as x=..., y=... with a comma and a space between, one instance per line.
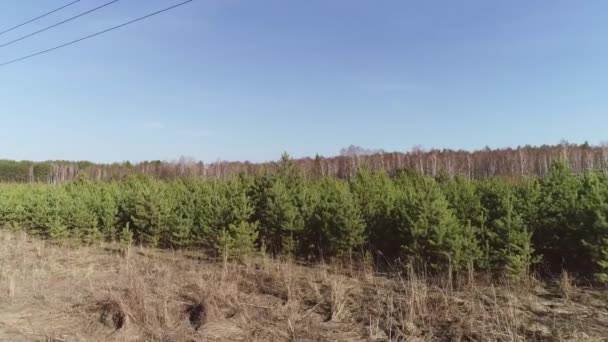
x=247, y=80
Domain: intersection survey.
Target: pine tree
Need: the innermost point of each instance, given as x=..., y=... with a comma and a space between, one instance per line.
x=152, y=216
x=181, y=219
x=596, y=244
x=557, y=226
x=428, y=230
x=107, y=211
x=225, y=203
x=602, y=260
x=515, y=241
x=335, y=226
x=375, y=195
x=56, y=229
x=278, y=210
x=237, y=240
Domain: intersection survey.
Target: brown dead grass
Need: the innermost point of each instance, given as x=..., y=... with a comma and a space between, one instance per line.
x=63, y=292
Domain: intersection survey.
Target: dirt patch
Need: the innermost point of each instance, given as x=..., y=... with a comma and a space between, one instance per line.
x=112, y=315
x=197, y=315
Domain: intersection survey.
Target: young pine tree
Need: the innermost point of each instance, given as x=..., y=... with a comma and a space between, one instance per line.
x=126, y=239
x=557, y=225
x=375, y=194
x=335, y=226
x=427, y=228
x=594, y=216
x=223, y=204
x=152, y=215
x=278, y=208
x=237, y=240
x=516, y=253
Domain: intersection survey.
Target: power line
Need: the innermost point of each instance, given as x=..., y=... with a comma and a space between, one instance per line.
x=59, y=23
x=94, y=34
x=40, y=17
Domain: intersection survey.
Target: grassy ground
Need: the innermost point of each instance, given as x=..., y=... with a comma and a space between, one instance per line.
x=63, y=292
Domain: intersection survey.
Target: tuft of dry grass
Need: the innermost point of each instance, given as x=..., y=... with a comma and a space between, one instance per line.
x=68, y=292
x=566, y=285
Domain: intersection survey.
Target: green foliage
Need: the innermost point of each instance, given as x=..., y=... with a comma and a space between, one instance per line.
x=375, y=194
x=515, y=251
x=601, y=257
x=559, y=228
x=106, y=209
x=238, y=240
x=280, y=207
x=428, y=230
x=222, y=216
x=497, y=225
x=126, y=237
x=279, y=211
x=151, y=215
x=335, y=226
x=595, y=240
x=466, y=199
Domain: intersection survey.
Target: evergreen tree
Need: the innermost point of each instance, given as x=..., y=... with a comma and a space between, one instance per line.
x=182, y=218
x=428, y=230
x=557, y=232
x=279, y=213
x=593, y=214
x=375, y=194
x=225, y=203
x=126, y=236
x=237, y=240
x=514, y=241
x=335, y=226
x=152, y=217
x=107, y=210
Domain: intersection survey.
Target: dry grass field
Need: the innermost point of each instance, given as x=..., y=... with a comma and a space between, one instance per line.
x=68, y=292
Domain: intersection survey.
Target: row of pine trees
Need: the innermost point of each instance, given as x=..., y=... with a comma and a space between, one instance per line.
x=507, y=226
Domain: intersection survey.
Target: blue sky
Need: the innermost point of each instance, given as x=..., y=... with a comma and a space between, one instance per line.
x=247, y=80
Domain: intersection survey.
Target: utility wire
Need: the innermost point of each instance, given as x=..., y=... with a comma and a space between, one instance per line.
x=94, y=34
x=59, y=23
x=40, y=17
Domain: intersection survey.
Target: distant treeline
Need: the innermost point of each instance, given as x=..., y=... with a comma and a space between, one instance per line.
x=482, y=164
x=503, y=226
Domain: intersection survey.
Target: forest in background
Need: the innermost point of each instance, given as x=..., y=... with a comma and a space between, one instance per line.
x=441, y=223
x=482, y=164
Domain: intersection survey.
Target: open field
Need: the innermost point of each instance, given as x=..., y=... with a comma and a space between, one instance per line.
x=68, y=292
x=147, y=192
